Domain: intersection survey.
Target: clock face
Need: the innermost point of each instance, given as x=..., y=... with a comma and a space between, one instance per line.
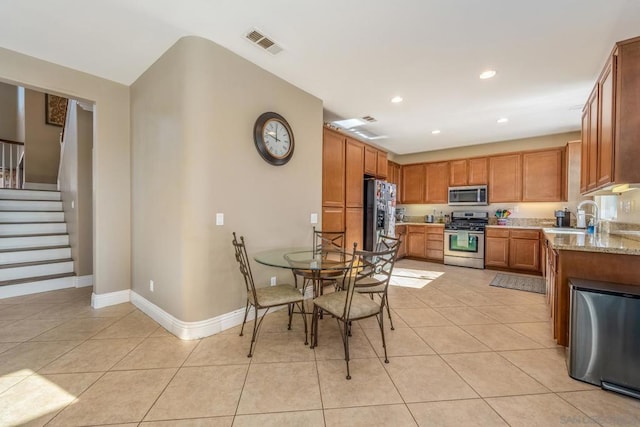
x=273, y=138
x=276, y=138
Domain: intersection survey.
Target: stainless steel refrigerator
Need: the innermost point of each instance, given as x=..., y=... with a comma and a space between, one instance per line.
x=379, y=211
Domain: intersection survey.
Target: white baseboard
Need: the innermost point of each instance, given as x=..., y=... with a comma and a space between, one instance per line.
x=10, y=291
x=112, y=298
x=40, y=186
x=192, y=330
x=83, y=281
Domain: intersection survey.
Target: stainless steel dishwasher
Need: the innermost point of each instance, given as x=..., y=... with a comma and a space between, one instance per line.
x=604, y=335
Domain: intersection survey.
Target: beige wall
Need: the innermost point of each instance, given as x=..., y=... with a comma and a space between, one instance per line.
x=111, y=167
x=629, y=207
x=75, y=186
x=8, y=112
x=42, y=142
x=193, y=113
x=538, y=142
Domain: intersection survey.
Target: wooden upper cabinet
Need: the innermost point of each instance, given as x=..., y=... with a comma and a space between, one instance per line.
x=477, y=171
x=584, y=152
x=333, y=169
x=458, y=172
x=393, y=172
x=505, y=178
x=370, y=160
x=468, y=172
x=611, y=122
x=437, y=182
x=542, y=173
x=413, y=180
x=592, y=145
x=606, y=131
x=382, y=171
x=354, y=176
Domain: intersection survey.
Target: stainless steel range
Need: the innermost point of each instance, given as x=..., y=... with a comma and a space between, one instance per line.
x=464, y=239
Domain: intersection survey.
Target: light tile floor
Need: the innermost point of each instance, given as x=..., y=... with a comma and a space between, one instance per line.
x=462, y=353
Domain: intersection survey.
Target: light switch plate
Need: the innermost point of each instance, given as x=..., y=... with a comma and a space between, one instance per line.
x=219, y=219
x=314, y=218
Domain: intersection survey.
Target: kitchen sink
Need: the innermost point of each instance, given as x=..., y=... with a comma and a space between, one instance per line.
x=564, y=230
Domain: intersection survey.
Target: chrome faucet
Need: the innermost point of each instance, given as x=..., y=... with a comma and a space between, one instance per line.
x=595, y=214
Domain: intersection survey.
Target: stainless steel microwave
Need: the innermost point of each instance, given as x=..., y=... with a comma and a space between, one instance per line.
x=472, y=195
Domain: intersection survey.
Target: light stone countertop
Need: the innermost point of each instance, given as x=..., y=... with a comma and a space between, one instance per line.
x=599, y=242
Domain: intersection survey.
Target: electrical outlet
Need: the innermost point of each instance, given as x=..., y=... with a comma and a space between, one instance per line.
x=273, y=280
x=151, y=285
x=73, y=204
x=516, y=209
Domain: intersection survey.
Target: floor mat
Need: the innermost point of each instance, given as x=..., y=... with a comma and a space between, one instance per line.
x=520, y=283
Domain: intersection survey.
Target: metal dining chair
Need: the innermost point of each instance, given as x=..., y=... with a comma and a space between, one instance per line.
x=324, y=242
x=346, y=305
x=265, y=298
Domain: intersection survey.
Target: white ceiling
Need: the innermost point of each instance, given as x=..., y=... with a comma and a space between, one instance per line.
x=356, y=55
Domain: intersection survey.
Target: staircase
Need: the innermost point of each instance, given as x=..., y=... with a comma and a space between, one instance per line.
x=35, y=255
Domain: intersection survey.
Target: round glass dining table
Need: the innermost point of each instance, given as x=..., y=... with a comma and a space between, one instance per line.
x=309, y=263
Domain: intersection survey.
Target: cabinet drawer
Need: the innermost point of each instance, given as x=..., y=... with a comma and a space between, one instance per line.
x=496, y=232
x=435, y=237
x=525, y=234
x=434, y=229
x=432, y=244
x=415, y=228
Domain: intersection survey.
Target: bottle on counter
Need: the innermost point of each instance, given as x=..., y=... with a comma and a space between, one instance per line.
x=591, y=228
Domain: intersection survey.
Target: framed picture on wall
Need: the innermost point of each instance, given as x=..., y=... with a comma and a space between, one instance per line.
x=55, y=110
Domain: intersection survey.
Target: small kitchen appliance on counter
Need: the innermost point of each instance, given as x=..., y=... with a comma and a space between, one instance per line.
x=563, y=218
x=400, y=212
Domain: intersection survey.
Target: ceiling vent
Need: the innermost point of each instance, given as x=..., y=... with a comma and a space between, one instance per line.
x=256, y=37
x=369, y=119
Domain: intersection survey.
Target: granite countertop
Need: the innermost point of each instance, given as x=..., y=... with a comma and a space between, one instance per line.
x=441, y=224
x=525, y=227
x=600, y=242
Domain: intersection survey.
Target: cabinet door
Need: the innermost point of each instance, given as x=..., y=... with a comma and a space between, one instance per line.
x=437, y=182
x=477, y=171
x=354, y=221
x=354, y=174
x=370, y=160
x=392, y=173
x=496, y=251
x=524, y=254
x=416, y=241
x=435, y=243
x=382, y=171
x=401, y=233
x=458, y=172
x=592, y=174
x=505, y=178
x=332, y=218
x=413, y=183
x=607, y=112
x=584, y=152
x=333, y=167
x=542, y=173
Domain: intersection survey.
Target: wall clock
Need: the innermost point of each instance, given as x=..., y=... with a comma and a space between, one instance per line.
x=274, y=138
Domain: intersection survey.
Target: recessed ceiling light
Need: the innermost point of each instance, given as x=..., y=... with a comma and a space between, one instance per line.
x=396, y=99
x=487, y=74
x=503, y=120
x=435, y=132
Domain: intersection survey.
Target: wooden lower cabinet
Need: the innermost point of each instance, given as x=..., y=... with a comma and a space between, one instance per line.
x=435, y=243
x=514, y=249
x=401, y=233
x=354, y=221
x=332, y=218
x=524, y=250
x=496, y=249
x=416, y=241
x=606, y=267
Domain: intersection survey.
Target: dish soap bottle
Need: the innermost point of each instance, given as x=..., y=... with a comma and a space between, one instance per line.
x=591, y=228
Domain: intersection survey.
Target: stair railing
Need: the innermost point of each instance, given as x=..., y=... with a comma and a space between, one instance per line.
x=12, y=154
